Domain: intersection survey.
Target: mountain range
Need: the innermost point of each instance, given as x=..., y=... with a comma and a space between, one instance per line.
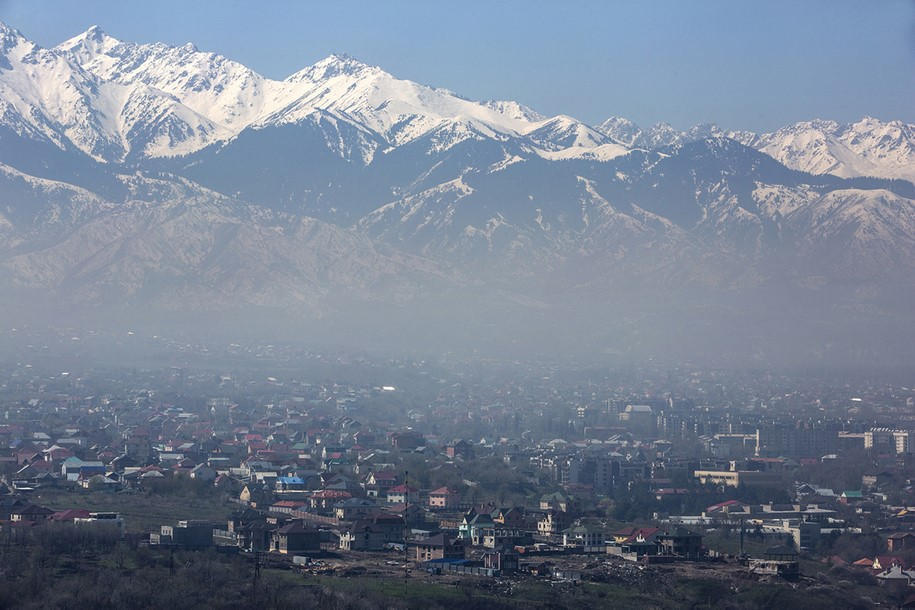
x=176, y=178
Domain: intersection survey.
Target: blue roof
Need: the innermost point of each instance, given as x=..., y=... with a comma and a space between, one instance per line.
x=291, y=480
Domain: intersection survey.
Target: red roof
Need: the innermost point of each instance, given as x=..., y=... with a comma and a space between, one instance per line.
x=441, y=491
x=724, y=504
x=399, y=489
x=69, y=514
x=289, y=503
x=329, y=494
x=644, y=532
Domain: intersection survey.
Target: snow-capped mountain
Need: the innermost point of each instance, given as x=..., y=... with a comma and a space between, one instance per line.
x=169, y=175
x=869, y=147
x=233, y=97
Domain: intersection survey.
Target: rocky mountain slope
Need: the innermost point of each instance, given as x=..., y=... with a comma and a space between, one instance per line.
x=173, y=176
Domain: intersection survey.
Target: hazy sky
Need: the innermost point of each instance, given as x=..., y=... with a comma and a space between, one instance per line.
x=754, y=65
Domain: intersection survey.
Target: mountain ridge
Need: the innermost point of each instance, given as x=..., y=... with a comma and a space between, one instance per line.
x=149, y=173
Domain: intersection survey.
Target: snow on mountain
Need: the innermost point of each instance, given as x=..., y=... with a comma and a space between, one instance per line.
x=44, y=96
x=224, y=91
x=418, y=172
x=859, y=233
x=564, y=132
x=869, y=147
x=175, y=244
x=230, y=97
x=514, y=110
x=118, y=101
x=399, y=110
x=622, y=130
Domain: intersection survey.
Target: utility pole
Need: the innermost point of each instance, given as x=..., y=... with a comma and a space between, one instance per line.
x=406, y=505
x=257, y=573
x=742, y=521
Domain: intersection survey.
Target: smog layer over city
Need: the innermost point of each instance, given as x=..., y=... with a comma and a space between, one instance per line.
x=480, y=305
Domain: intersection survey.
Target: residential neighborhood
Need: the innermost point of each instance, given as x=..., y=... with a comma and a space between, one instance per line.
x=532, y=479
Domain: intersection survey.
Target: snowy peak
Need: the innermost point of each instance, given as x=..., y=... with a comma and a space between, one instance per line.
x=622, y=130
x=868, y=147
x=87, y=46
x=563, y=132
x=337, y=64
x=12, y=41
x=514, y=110
x=223, y=91
x=119, y=100
x=217, y=98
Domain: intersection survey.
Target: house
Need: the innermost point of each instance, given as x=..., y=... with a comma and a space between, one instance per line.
x=896, y=576
x=325, y=499
x=363, y=535
x=851, y=496
x=557, y=501
x=509, y=517
x=505, y=537
x=439, y=546
x=407, y=440
x=191, y=534
x=638, y=419
x=74, y=468
x=255, y=495
x=402, y=494
x=873, y=481
x=635, y=542
x=413, y=514
x=378, y=483
x=289, y=484
x=680, y=543
x=502, y=561
x=884, y=562
x=248, y=530
x=553, y=522
x=382, y=526
x=461, y=449
x=31, y=513
x=353, y=508
x=68, y=516
x=778, y=562
x=727, y=509
x=202, y=472
x=582, y=535
x=10, y=504
x=896, y=543
x=444, y=498
x=295, y=537
x=99, y=481
x=471, y=528
x=287, y=506
x=667, y=494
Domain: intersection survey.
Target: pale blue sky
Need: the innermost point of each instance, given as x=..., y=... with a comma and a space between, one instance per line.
x=752, y=65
